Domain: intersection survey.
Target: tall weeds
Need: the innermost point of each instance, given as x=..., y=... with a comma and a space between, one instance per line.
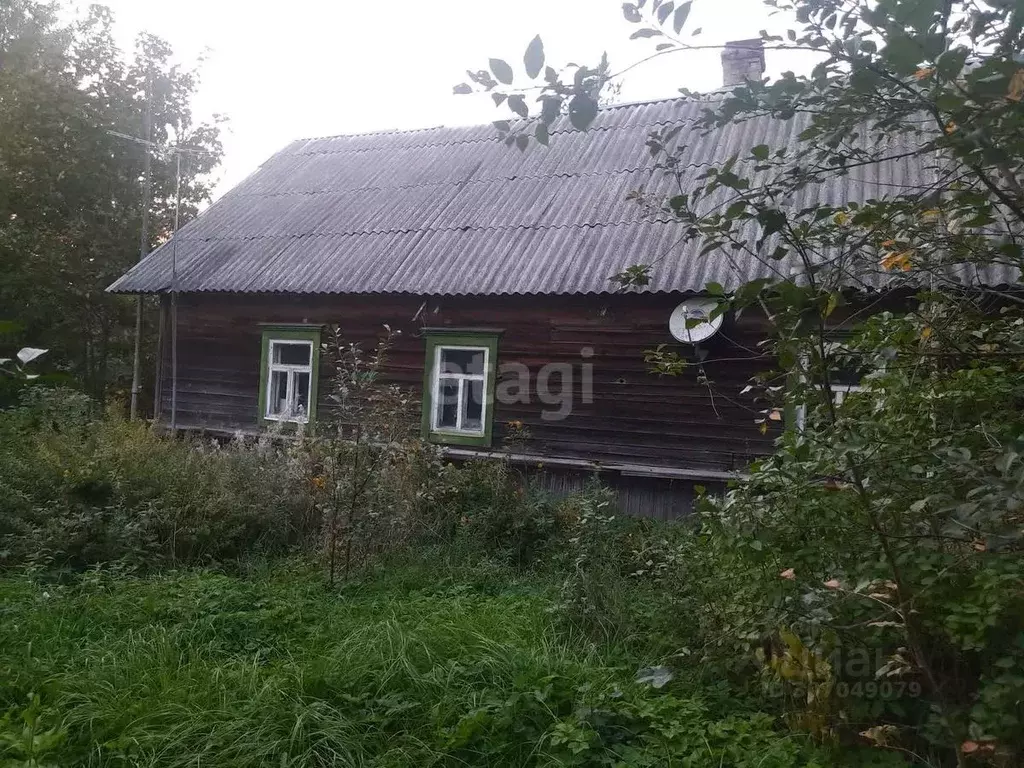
x=77, y=490
x=203, y=668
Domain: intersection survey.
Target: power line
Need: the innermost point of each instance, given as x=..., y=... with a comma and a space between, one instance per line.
x=147, y=130
x=160, y=147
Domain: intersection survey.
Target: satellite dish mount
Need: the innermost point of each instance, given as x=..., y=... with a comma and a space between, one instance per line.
x=691, y=322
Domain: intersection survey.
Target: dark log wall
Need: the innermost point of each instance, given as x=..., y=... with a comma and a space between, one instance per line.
x=636, y=417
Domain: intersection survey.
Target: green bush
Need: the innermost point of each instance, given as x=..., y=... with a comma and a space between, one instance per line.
x=869, y=575
x=500, y=515
x=77, y=490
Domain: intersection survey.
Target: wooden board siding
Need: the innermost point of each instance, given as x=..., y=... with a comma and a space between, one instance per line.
x=636, y=417
x=658, y=498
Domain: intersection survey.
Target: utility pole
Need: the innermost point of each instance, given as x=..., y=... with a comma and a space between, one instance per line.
x=147, y=120
x=177, y=151
x=174, y=295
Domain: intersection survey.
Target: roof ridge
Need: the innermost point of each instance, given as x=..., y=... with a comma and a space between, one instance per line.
x=413, y=230
x=424, y=129
x=449, y=183
x=476, y=140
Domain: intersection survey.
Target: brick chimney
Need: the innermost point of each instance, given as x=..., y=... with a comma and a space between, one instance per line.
x=742, y=60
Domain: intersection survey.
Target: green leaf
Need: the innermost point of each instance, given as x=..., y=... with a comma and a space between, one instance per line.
x=647, y=32
x=501, y=70
x=664, y=11
x=748, y=292
x=679, y=18
x=533, y=59
x=735, y=209
x=518, y=105
x=715, y=289
x=551, y=106
x=462, y=88
x=631, y=12
x=902, y=54
x=832, y=303
x=582, y=111
x=772, y=221
x=522, y=142
x=761, y=151
x=636, y=275
x=731, y=180
x=541, y=134
x=950, y=64
x=502, y=125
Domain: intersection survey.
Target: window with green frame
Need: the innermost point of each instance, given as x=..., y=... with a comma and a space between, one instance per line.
x=458, y=386
x=289, y=370
x=845, y=376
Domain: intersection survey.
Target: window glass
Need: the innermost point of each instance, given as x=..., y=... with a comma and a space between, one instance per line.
x=278, y=396
x=291, y=354
x=841, y=391
x=466, y=361
x=301, y=397
x=448, y=404
x=473, y=407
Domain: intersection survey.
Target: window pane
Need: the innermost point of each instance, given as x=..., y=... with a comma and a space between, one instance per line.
x=847, y=375
x=448, y=404
x=840, y=393
x=462, y=361
x=277, y=402
x=301, y=406
x=291, y=354
x=472, y=415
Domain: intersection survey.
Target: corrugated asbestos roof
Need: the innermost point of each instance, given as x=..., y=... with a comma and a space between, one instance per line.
x=455, y=211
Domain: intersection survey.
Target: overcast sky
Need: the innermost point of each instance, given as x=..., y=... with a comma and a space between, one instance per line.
x=298, y=68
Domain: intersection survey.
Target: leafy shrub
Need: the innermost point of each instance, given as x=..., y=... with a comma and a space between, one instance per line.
x=25, y=739
x=78, y=490
x=869, y=573
x=500, y=515
x=621, y=577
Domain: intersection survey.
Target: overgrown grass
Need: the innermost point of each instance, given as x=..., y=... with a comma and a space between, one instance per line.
x=478, y=619
x=205, y=668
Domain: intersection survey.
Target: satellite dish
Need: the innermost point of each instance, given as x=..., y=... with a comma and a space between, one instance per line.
x=687, y=313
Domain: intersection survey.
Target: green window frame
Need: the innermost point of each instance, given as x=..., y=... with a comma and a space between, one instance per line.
x=463, y=340
x=842, y=384
x=289, y=373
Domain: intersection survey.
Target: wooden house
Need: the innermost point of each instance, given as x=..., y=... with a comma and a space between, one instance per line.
x=494, y=265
